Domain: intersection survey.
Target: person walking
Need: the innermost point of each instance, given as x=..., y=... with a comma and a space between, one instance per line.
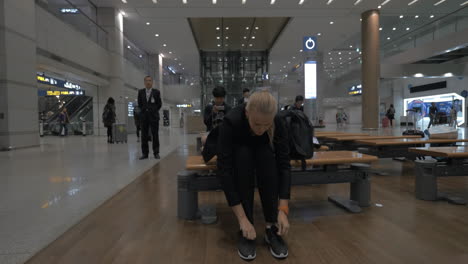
x=64, y=120
x=253, y=147
x=137, y=120
x=108, y=118
x=245, y=97
x=391, y=114
x=432, y=114
x=453, y=117
x=149, y=102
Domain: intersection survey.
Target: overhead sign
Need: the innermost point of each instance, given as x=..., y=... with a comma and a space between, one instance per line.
x=184, y=105
x=310, y=79
x=309, y=43
x=57, y=83
x=58, y=93
x=355, y=90
x=69, y=11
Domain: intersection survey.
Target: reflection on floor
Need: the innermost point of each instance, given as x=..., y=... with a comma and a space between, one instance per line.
x=45, y=191
x=139, y=225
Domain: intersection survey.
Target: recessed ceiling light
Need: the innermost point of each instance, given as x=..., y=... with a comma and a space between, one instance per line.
x=243, y=45
x=331, y=58
x=329, y=53
x=329, y=2
x=351, y=46
x=214, y=2
x=227, y=28
x=319, y=34
x=380, y=29
x=272, y=2
x=244, y=1
x=124, y=1
x=379, y=7
x=294, y=57
x=331, y=22
x=438, y=3
x=289, y=62
x=419, y=75
x=247, y=28
x=217, y=28
x=155, y=1
x=170, y=52
x=464, y=3
x=250, y=45
x=432, y=16
x=394, y=29
x=156, y=35
x=388, y=38
x=300, y=50
x=301, y=2
x=180, y=64
x=416, y=16
x=350, y=53
x=407, y=29
x=184, y=1
x=164, y=45
x=218, y=37
x=245, y=37
x=284, y=66
x=148, y=23
x=340, y=58
x=253, y=37
x=227, y=37
x=128, y=47
x=175, y=59
x=141, y=56
x=219, y=45
x=339, y=53
x=256, y=28
x=357, y=2
x=412, y=2
x=401, y=16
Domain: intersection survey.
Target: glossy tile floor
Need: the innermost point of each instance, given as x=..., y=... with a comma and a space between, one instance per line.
x=46, y=190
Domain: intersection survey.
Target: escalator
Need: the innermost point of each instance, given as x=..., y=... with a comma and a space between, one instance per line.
x=84, y=114
x=77, y=106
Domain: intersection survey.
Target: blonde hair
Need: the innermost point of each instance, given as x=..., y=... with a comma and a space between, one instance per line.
x=263, y=102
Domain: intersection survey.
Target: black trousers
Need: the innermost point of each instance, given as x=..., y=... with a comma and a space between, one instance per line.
x=257, y=164
x=145, y=127
x=109, y=133
x=138, y=128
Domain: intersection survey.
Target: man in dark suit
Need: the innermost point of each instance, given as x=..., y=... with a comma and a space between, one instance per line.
x=245, y=97
x=149, y=101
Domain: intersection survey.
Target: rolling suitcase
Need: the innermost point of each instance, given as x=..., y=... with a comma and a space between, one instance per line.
x=119, y=131
x=414, y=131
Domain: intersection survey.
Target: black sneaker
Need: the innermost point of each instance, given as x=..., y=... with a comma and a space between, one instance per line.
x=278, y=247
x=246, y=248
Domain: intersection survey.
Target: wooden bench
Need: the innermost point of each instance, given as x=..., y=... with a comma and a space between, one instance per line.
x=323, y=168
x=394, y=148
x=455, y=163
x=350, y=142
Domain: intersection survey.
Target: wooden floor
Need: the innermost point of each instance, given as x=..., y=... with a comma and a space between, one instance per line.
x=139, y=225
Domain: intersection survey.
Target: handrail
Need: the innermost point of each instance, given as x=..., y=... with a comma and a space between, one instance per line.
x=84, y=14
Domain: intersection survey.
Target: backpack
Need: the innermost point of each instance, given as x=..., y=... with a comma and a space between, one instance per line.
x=300, y=135
x=106, y=115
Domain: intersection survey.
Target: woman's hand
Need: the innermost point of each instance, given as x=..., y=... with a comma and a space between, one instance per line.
x=248, y=230
x=283, y=224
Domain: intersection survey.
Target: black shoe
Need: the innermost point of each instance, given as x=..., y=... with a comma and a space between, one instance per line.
x=156, y=156
x=278, y=247
x=246, y=248
x=144, y=157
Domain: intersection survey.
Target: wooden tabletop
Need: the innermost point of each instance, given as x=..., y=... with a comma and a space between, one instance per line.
x=354, y=138
x=407, y=141
x=320, y=158
x=341, y=135
x=446, y=152
x=328, y=132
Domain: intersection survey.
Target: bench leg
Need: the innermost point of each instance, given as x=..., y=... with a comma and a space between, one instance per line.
x=426, y=181
x=360, y=190
x=187, y=199
x=349, y=205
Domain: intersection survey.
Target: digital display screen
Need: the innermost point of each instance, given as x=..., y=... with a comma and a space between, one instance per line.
x=310, y=79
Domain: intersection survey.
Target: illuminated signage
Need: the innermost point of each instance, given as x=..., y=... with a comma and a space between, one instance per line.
x=310, y=79
x=184, y=105
x=310, y=43
x=57, y=83
x=58, y=93
x=131, y=108
x=69, y=11
x=355, y=90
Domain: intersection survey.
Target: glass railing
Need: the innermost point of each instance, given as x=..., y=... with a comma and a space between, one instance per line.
x=77, y=17
x=136, y=55
x=438, y=29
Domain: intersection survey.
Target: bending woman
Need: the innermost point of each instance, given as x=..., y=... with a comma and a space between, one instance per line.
x=253, y=148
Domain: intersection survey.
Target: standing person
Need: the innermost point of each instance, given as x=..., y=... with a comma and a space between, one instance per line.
x=391, y=114
x=338, y=117
x=253, y=147
x=432, y=114
x=245, y=97
x=453, y=117
x=149, y=101
x=108, y=118
x=215, y=112
x=137, y=119
x=64, y=120
x=298, y=104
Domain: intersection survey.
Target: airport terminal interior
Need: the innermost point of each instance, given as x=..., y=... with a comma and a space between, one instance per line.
x=155, y=131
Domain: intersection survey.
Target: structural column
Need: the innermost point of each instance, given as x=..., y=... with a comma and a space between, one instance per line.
x=112, y=21
x=370, y=69
x=19, y=118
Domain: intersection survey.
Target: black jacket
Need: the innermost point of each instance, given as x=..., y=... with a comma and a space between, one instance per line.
x=211, y=119
x=235, y=130
x=149, y=109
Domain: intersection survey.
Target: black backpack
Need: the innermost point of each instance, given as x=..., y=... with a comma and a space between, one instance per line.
x=300, y=135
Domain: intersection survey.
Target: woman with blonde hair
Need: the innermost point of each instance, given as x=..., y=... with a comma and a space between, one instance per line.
x=253, y=148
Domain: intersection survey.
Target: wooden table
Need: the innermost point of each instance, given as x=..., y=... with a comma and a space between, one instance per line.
x=340, y=135
x=450, y=161
x=394, y=148
x=355, y=138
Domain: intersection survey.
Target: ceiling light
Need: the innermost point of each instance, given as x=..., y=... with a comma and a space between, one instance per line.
x=351, y=46
x=331, y=58
x=227, y=37
x=227, y=28
x=175, y=59
x=329, y=2
x=214, y=2
x=350, y=53
x=416, y=16
x=183, y=68
x=124, y=1
x=438, y=3
x=401, y=16
x=141, y=56
x=218, y=37
x=284, y=67
x=226, y=45
x=379, y=7
x=412, y=2
x=385, y=2
x=339, y=53
x=272, y=2
x=407, y=29
x=219, y=45
x=394, y=29
x=170, y=52
x=294, y=57
x=256, y=28
x=164, y=45
x=247, y=28
x=432, y=16
x=419, y=75
x=388, y=38
x=156, y=35
x=301, y=2
x=357, y=2
x=380, y=29
x=217, y=28
x=340, y=58
x=184, y=1
x=243, y=45
x=244, y=1
x=289, y=62
x=250, y=45
x=319, y=34
x=465, y=3
x=331, y=22
x=448, y=74
x=148, y=23
x=128, y=47
x=245, y=37
x=155, y=1
x=329, y=53
x=300, y=50
x=180, y=64
x=253, y=37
